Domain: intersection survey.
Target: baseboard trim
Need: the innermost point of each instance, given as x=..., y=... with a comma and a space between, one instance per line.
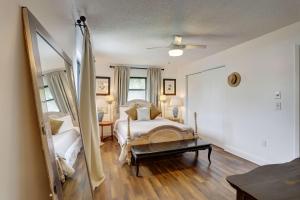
x=245, y=155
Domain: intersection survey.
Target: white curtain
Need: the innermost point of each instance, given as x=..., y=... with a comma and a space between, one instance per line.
x=59, y=86
x=88, y=115
x=121, y=84
x=154, y=85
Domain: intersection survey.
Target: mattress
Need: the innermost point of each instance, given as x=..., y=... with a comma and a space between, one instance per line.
x=139, y=128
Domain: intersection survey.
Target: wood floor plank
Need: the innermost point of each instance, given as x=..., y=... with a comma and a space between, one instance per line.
x=181, y=177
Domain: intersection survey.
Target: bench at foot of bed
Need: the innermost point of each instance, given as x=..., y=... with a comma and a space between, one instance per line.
x=151, y=151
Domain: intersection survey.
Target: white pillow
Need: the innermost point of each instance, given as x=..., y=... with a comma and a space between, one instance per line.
x=67, y=125
x=123, y=114
x=143, y=114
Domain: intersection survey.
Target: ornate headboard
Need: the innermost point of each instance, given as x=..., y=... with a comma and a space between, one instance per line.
x=139, y=102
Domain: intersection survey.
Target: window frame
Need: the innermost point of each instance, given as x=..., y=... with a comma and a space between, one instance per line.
x=46, y=100
x=146, y=87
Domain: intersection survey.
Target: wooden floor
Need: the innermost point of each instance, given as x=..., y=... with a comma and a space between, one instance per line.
x=77, y=187
x=181, y=177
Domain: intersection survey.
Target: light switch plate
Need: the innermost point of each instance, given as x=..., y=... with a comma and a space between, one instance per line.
x=278, y=105
x=277, y=95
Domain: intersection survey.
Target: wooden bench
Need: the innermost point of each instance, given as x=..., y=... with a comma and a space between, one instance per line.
x=154, y=150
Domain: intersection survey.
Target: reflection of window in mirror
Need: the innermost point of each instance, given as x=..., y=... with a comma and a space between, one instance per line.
x=49, y=100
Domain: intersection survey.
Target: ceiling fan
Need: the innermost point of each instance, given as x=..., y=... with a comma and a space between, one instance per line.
x=176, y=47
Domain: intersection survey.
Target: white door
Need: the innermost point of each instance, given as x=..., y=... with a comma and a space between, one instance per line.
x=206, y=97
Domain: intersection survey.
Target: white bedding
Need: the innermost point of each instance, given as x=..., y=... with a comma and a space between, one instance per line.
x=67, y=145
x=139, y=128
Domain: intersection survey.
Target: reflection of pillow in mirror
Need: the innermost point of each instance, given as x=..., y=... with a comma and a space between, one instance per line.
x=123, y=115
x=67, y=125
x=55, y=125
x=143, y=114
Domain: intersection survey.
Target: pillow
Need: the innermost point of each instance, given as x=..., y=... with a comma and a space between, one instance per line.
x=123, y=114
x=132, y=112
x=55, y=125
x=154, y=112
x=67, y=123
x=143, y=114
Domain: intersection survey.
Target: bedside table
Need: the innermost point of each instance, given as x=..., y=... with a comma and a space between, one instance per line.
x=107, y=123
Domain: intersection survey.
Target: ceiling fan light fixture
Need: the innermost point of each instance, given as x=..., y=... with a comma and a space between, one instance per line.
x=175, y=52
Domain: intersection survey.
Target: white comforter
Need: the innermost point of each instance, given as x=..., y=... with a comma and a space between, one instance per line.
x=67, y=145
x=139, y=128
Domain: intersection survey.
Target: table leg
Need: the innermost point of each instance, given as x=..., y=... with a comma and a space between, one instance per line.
x=132, y=160
x=102, y=133
x=137, y=167
x=209, y=153
x=197, y=153
x=112, y=132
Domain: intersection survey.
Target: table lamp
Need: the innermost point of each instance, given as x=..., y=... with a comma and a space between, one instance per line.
x=110, y=99
x=163, y=99
x=175, y=102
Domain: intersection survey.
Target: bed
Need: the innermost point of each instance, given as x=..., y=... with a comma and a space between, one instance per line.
x=129, y=132
x=67, y=144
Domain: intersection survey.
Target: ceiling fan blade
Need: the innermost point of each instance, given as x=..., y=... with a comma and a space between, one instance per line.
x=157, y=48
x=195, y=46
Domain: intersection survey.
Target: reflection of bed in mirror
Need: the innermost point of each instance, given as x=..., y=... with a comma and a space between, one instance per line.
x=67, y=143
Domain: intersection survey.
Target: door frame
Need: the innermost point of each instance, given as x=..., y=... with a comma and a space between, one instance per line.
x=296, y=101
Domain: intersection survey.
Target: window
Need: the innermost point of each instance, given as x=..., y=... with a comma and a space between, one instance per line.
x=48, y=100
x=137, y=88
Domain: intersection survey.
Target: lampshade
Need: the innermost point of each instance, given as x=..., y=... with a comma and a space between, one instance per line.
x=175, y=52
x=163, y=98
x=109, y=99
x=176, y=101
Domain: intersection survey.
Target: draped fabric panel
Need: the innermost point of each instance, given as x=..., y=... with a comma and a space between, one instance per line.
x=154, y=85
x=59, y=86
x=121, y=85
x=88, y=115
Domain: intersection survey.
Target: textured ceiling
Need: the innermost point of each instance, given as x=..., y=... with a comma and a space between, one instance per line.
x=123, y=29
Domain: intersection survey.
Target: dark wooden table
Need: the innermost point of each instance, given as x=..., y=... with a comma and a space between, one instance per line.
x=154, y=150
x=269, y=182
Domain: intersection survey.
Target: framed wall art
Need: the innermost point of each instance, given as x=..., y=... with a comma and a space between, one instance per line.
x=169, y=86
x=102, y=85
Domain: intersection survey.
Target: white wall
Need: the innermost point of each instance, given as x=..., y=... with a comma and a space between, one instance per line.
x=253, y=128
x=22, y=170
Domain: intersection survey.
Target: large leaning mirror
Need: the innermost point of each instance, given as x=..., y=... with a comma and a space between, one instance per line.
x=56, y=105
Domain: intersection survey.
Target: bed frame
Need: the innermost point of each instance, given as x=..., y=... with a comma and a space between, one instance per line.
x=160, y=134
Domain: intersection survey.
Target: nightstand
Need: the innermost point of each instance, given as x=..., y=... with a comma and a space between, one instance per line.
x=107, y=123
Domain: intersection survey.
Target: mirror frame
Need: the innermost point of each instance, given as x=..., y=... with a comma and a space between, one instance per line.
x=32, y=27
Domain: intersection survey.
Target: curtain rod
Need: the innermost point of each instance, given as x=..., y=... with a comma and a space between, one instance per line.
x=81, y=23
x=143, y=68
x=52, y=71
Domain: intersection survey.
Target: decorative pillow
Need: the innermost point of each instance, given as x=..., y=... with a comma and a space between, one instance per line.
x=55, y=125
x=132, y=112
x=143, y=114
x=154, y=112
x=67, y=123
